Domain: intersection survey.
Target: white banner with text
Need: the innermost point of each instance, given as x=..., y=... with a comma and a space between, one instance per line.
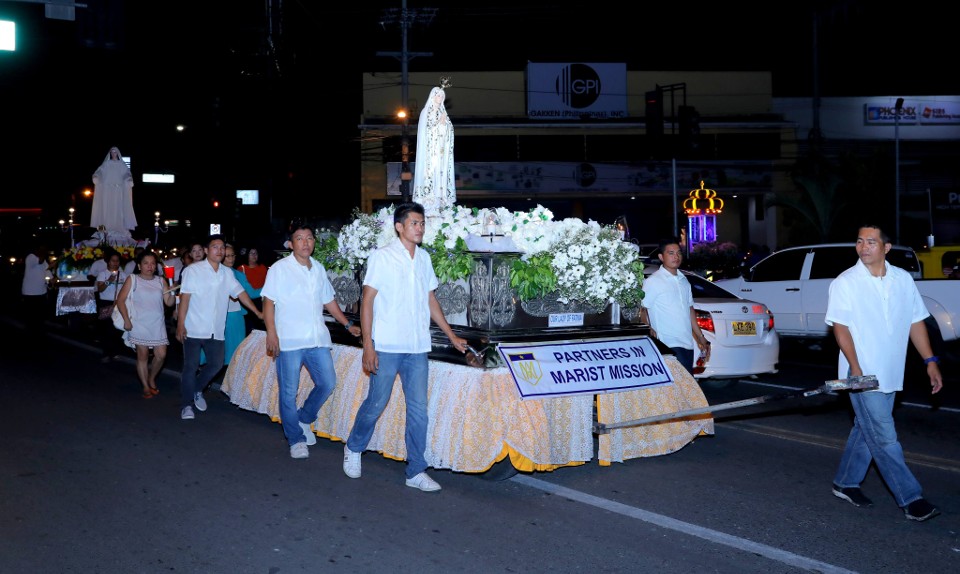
x=564, y=368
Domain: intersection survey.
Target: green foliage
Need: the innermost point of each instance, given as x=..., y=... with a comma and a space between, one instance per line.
x=630, y=298
x=450, y=264
x=534, y=277
x=827, y=192
x=327, y=252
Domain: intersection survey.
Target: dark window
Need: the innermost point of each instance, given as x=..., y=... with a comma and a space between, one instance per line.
x=616, y=148
x=551, y=148
x=828, y=262
x=702, y=288
x=905, y=259
x=783, y=266
x=486, y=148
x=748, y=146
x=950, y=259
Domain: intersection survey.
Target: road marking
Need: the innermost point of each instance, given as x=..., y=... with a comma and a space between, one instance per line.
x=938, y=463
x=662, y=521
x=790, y=388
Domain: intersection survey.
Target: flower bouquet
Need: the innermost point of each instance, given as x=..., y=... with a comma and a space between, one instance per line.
x=81, y=257
x=578, y=261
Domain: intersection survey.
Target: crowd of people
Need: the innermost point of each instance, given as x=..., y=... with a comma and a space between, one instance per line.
x=204, y=299
x=874, y=309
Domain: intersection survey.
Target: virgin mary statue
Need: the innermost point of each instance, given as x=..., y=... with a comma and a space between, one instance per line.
x=434, y=179
x=113, y=195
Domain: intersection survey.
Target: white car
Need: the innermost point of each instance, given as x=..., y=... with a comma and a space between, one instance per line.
x=741, y=332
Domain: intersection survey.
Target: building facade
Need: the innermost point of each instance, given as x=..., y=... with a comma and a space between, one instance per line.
x=599, y=142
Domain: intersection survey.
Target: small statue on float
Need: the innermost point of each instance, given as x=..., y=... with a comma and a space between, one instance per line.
x=434, y=178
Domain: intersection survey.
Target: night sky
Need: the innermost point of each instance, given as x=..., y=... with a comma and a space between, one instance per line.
x=125, y=73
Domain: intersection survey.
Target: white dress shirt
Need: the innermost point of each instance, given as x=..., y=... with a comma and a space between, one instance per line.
x=298, y=295
x=668, y=299
x=210, y=292
x=879, y=312
x=114, y=284
x=96, y=268
x=35, y=275
x=401, y=309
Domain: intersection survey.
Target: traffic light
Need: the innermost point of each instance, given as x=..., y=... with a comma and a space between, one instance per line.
x=689, y=128
x=654, y=114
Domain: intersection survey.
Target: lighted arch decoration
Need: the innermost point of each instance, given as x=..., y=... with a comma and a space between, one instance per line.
x=702, y=208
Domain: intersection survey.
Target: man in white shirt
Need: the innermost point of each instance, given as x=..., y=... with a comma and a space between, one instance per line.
x=395, y=312
x=131, y=265
x=875, y=308
x=667, y=307
x=201, y=320
x=295, y=294
x=100, y=265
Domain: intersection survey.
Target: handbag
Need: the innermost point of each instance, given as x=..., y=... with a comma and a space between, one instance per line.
x=106, y=311
x=115, y=315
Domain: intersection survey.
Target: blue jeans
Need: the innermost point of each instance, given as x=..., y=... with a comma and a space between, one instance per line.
x=685, y=356
x=413, y=369
x=191, y=381
x=319, y=363
x=874, y=437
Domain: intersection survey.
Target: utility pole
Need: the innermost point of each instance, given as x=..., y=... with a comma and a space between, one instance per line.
x=898, y=109
x=406, y=19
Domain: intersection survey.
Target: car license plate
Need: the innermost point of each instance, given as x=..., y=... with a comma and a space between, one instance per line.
x=744, y=328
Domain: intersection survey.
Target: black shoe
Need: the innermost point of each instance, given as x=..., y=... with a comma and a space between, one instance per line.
x=920, y=510
x=853, y=495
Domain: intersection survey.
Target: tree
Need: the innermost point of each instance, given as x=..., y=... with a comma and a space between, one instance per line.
x=829, y=192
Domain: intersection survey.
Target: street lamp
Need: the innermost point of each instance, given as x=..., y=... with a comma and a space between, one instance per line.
x=71, y=210
x=157, y=228
x=898, y=107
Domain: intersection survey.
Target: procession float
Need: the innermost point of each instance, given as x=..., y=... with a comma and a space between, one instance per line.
x=551, y=311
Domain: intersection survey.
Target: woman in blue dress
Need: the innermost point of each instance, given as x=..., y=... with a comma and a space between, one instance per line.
x=236, y=330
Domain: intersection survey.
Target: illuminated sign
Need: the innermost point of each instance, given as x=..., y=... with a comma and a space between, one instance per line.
x=923, y=112
x=158, y=178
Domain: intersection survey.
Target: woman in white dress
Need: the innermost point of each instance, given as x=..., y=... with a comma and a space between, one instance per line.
x=434, y=178
x=141, y=302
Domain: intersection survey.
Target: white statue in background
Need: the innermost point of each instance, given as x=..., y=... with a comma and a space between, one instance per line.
x=434, y=179
x=113, y=196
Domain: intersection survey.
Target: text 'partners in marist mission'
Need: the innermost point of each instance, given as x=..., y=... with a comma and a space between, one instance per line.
x=578, y=367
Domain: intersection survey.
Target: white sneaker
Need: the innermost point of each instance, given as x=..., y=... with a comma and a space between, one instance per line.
x=299, y=450
x=423, y=482
x=311, y=437
x=200, y=402
x=187, y=413
x=351, y=463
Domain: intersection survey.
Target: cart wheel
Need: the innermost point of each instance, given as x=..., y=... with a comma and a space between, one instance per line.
x=500, y=471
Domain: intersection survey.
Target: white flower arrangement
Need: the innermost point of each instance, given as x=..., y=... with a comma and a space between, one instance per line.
x=363, y=235
x=593, y=265
x=585, y=262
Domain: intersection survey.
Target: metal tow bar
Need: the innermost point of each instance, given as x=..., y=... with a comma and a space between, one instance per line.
x=863, y=383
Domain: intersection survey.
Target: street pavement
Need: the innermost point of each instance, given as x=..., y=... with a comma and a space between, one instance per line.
x=93, y=478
